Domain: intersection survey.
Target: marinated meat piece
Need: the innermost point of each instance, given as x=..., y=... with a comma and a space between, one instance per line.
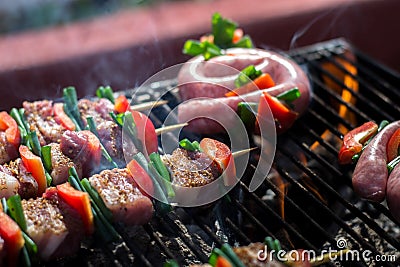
x=28, y=186
x=82, y=147
x=40, y=117
x=7, y=151
x=99, y=109
x=110, y=135
x=61, y=164
x=121, y=195
x=9, y=185
x=52, y=225
x=191, y=169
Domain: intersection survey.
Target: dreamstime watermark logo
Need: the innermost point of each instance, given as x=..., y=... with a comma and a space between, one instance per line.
x=206, y=113
x=342, y=254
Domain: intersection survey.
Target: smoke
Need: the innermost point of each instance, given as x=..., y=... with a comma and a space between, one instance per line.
x=336, y=15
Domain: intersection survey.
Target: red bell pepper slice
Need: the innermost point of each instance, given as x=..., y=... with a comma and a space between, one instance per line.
x=264, y=81
x=222, y=262
x=10, y=126
x=141, y=178
x=34, y=165
x=13, y=239
x=121, y=104
x=62, y=118
x=79, y=201
x=146, y=131
x=353, y=141
x=284, y=117
x=392, y=147
x=221, y=154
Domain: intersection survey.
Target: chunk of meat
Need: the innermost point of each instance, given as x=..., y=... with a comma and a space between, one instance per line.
x=61, y=164
x=28, y=186
x=52, y=225
x=122, y=196
x=110, y=135
x=82, y=147
x=7, y=150
x=40, y=117
x=191, y=169
x=99, y=109
x=9, y=185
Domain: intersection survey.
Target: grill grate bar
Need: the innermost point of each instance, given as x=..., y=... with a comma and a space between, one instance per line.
x=321, y=119
x=369, y=68
x=334, y=216
x=301, y=211
x=285, y=224
x=151, y=231
x=377, y=95
x=238, y=232
x=368, y=221
x=359, y=97
x=193, y=247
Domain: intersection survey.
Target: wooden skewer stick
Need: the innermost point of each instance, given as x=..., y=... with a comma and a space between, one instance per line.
x=242, y=152
x=148, y=105
x=170, y=128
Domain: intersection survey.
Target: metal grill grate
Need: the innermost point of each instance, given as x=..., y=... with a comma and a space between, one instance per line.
x=319, y=203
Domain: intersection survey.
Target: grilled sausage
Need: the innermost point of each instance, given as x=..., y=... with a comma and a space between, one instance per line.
x=199, y=78
x=393, y=192
x=371, y=174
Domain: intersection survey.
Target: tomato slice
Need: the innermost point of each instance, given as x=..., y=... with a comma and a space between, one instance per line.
x=393, y=146
x=34, y=165
x=10, y=126
x=220, y=153
x=283, y=116
x=12, y=236
x=79, y=201
x=62, y=118
x=141, y=178
x=121, y=104
x=146, y=131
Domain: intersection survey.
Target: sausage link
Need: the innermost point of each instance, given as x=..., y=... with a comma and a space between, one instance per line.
x=393, y=192
x=370, y=175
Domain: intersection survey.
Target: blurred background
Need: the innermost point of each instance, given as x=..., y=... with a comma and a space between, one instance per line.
x=46, y=45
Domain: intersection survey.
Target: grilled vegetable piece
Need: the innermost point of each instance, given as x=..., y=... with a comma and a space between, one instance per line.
x=284, y=116
x=122, y=196
x=191, y=168
x=10, y=127
x=54, y=226
x=145, y=132
x=121, y=104
x=34, y=165
x=353, y=141
x=82, y=147
x=40, y=118
x=13, y=240
x=62, y=118
x=221, y=154
x=80, y=202
x=393, y=146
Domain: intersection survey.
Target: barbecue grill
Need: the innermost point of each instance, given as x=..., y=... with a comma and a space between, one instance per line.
x=306, y=201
